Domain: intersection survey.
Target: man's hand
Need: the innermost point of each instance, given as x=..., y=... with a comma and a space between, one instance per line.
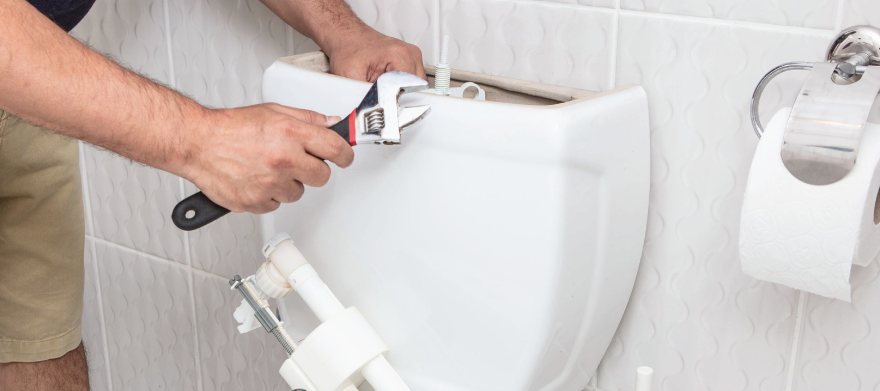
x=254, y=158
x=370, y=54
x=355, y=49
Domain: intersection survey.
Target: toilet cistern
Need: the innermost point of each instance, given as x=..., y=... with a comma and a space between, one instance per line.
x=378, y=119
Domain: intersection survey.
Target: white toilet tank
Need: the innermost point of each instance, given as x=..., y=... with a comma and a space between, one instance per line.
x=496, y=248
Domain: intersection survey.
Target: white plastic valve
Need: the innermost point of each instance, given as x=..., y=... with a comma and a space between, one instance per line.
x=443, y=77
x=340, y=353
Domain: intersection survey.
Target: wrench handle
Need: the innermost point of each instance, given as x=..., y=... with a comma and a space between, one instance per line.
x=346, y=128
x=203, y=211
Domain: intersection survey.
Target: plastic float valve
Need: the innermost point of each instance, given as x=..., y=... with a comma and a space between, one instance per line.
x=340, y=353
x=443, y=77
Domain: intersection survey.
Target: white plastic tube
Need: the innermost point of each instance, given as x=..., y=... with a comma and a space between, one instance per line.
x=305, y=280
x=382, y=376
x=644, y=375
x=315, y=293
x=442, y=75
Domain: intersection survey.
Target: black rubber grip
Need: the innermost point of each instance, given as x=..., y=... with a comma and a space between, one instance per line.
x=343, y=128
x=202, y=210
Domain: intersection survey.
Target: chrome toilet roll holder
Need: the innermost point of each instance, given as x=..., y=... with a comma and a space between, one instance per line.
x=824, y=130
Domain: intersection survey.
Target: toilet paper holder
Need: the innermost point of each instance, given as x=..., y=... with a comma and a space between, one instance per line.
x=825, y=127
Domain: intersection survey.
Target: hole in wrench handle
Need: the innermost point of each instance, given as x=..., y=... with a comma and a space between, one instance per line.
x=206, y=211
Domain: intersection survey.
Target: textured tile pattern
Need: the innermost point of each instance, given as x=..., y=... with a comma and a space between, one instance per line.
x=131, y=204
x=407, y=20
x=858, y=12
x=222, y=47
x=131, y=32
x=149, y=321
x=228, y=246
x=694, y=317
x=802, y=13
x=839, y=343
x=537, y=42
x=233, y=361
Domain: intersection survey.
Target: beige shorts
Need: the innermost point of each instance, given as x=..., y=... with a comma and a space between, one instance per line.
x=41, y=243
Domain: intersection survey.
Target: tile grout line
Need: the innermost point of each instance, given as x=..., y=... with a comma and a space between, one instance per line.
x=87, y=206
x=615, y=53
x=608, y=10
x=809, y=31
x=792, y=359
x=615, y=36
x=838, y=22
x=192, y=293
x=157, y=259
x=186, y=247
x=437, y=20
x=172, y=80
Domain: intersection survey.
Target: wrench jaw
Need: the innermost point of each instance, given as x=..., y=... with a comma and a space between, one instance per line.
x=408, y=116
x=379, y=119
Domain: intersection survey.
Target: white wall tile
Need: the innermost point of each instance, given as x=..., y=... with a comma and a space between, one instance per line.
x=92, y=327
x=408, y=20
x=694, y=316
x=131, y=204
x=839, y=341
x=540, y=42
x=149, y=321
x=229, y=360
x=130, y=31
x=229, y=246
x=222, y=47
x=801, y=13
x=857, y=12
x=594, y=3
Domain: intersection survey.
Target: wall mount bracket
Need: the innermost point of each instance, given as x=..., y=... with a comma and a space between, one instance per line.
x=824, y=131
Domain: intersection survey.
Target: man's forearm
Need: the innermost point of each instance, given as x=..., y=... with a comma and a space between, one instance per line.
x=51, y=79
x=327, y=22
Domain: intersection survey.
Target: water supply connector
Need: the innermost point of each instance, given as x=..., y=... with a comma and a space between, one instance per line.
x=340, y=353
x=443, y=77
x=443, y=74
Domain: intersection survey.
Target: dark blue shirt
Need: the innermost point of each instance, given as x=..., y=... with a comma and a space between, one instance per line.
x=65, y=13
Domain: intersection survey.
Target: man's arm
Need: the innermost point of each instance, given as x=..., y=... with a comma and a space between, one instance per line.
x=246, y=159
x=355, y=49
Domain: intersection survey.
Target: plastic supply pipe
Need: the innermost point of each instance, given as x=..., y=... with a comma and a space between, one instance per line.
x=285, y=258
x=644, y=375
x=443, y=75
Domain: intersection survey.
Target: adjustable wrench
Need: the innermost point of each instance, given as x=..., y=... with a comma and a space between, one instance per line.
x=379, y=119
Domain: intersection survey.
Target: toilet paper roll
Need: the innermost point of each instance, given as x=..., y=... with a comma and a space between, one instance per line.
x=805, y=236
